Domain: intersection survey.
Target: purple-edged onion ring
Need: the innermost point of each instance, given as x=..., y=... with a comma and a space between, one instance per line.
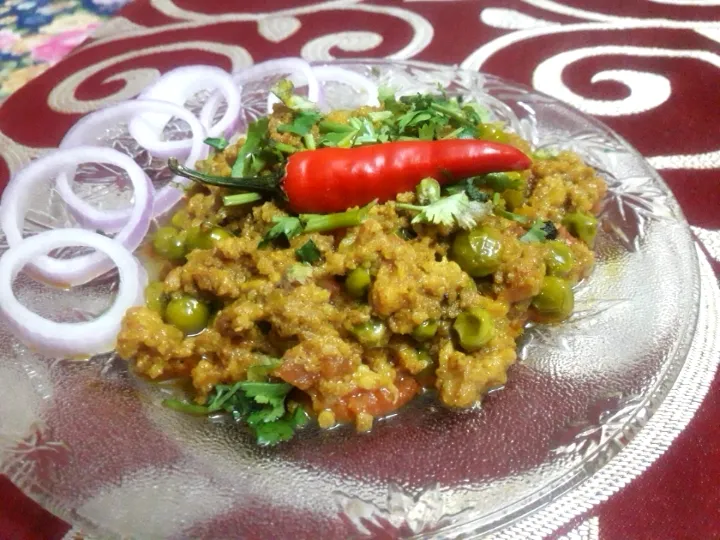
x=89, y=130
x=59, y=339
x=24, y=186
x=177, y=86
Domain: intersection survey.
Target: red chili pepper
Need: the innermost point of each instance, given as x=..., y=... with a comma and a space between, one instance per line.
x=335, y=179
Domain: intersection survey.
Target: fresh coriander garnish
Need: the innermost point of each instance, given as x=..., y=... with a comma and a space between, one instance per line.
x=470, y=189
x=457, y=208
x=249, y=151
x=262, y=369
x=286, y=227
x=284, y=90
x=218, y=143
x=540, y=231
x=302, y=123
x=500, y=181
x=262, y=405
x=308, y=252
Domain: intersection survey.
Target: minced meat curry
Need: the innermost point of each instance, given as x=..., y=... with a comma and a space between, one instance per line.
x=357, y=315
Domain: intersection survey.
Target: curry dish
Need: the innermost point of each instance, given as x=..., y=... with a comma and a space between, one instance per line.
x=355, y=320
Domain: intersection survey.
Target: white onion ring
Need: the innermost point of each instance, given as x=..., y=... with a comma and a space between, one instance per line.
x=177, y=86
x=69, y=339
x=89, y=129
x=25, y=184
x=351, y=78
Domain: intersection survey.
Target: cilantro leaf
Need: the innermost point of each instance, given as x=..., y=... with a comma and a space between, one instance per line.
x=477, y=113
x=302, y=123
x=339, y=139
x=386, y=96
x=261, y=370
x=308, y=252
x=261, y=405
x=470, y=189
x=365, y=133
x=540, y=231
x=426, y=132
x=226, y=397
x=281, y=430
x=284, y=90
x=380, y=116
x=272, y=433
x=385, y=93
x=457, y=208
x=218, y=143
x=264, y=392
x=501, y=181
x=412, y=118
x=271, y=397
x=256, y=135
x=285, y=227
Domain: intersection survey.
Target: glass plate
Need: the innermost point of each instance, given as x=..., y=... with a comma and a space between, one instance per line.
x=90, y=441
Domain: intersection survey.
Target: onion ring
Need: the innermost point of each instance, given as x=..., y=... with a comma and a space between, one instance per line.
x=69, y=339
x=19, y=192
x=89, y=129
x=351, y=78
x=177, y=86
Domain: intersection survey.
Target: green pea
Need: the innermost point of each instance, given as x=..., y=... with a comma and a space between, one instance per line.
x=372, y=333
x=582, y=226
x=559, y=258
x=357, y=282
x=428, y=191
x=425, y=330
x=430, y=366
x=478, y=252
x=425, y=357
x=475, y=328
x=556, y=300
x=155, y=297
x=197, y=238
x=169, y=243
x=187, y=314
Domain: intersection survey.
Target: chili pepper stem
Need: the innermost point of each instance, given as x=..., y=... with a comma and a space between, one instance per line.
x=269, y=183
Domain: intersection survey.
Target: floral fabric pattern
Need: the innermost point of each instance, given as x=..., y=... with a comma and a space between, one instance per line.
x=36, y=34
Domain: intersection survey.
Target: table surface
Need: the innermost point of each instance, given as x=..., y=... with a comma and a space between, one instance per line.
x=648, y=68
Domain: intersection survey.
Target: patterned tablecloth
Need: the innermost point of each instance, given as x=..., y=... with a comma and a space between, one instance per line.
x=648, y=68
